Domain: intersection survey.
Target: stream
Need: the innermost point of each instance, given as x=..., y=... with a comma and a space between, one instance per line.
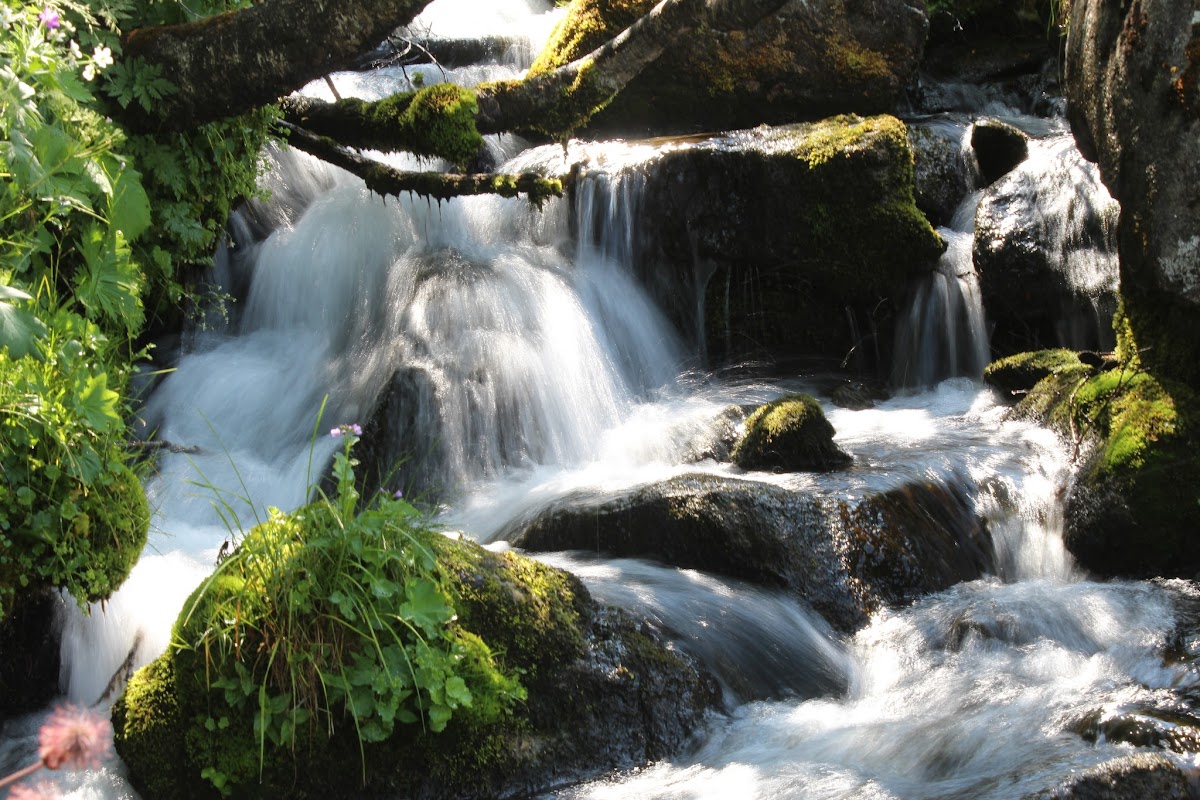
x=536, y=367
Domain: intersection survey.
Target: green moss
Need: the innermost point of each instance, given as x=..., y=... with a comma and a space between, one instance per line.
x=857, y=63
x=145, y=720
x=437, y=121
x=587, y=25
x=1021, y=372
x=790, y=433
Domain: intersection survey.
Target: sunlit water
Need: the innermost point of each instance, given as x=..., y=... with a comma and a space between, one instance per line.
x=550, y=373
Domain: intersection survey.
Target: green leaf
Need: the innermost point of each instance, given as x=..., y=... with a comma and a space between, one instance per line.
x=439, y=715
x=20, y=330
x=426, y=606
x=111, y=284
x=457, y=692
x=129, y=208
x=96, y=403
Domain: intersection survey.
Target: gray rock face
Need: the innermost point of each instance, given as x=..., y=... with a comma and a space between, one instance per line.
x=1132, y=75
x=942, y=167
x=845, y=559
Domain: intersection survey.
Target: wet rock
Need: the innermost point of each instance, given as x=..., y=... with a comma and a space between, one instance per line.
x=30, y=640
x=998, y=148
x=717, y=442
x=943, y=172
x=1148, y=727
x=1015, y=375
x=1133, y=85
x=805, y=61
x=856, y=395
x=790, y=434
x=1135, y=777
x=844, y=558
x=795, y=237
x=1045, y=252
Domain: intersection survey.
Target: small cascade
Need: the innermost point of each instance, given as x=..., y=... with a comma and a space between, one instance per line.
x=942, y=333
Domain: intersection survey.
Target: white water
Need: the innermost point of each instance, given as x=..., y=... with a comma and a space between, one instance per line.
x=551, y=372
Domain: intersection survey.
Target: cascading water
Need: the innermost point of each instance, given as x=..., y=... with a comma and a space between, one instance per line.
x=535, y=363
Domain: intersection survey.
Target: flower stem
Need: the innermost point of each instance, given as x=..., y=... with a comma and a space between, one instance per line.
x=21, y=773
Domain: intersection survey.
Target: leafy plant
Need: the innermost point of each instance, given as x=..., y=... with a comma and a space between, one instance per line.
x=337, y=616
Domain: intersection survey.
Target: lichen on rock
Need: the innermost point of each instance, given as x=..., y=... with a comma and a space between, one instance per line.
x=789, y=434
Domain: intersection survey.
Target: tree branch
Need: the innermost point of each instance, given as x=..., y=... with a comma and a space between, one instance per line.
x=385, y=180
x=240, y=60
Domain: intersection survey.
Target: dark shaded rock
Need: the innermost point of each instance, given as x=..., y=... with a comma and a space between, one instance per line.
x=856, y=395
x=1045, y=253
x=604, y=692
x=807, y=60
x=1142, y=727
x=998, y=148
x=943, y=173
x=790, y=434
x=1134, y=777
x=1017, y=374
x=845, y=559
x=396, y=452
x=1133, y=85
x=792, y=236
x=30, y=641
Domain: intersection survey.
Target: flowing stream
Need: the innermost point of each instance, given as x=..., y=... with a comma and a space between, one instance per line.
x=534, y=366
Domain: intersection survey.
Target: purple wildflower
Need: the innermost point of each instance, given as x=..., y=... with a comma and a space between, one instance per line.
x=49, y=18
x=343, y=429
x=399, y=495
x=335, y=432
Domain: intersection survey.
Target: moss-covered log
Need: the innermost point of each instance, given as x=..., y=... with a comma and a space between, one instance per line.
x=388, y=181
x=234, y=62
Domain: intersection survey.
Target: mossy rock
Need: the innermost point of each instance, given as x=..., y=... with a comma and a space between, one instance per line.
x=1133, y=508
x=1019, y=373
x=789, y=434
x=808, y=60
x=795, y=224
x=603, y=692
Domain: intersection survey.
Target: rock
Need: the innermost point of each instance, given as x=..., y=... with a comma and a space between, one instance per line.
x=1125, y=512
x=998, y=148
x=856, y=395
x=942, y=172
x=790, y=434
x=1017, y=374
x=1133, y=85
x=1142, y=727
x=805, y=61
x=1134, y=777
x=846, y=559
x=604, y=692
x=1045, y=253
x=30, y=641
x=792, y=235
x=717, y=441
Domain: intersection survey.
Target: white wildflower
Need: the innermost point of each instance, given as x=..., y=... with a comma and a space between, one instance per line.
x=102, y=57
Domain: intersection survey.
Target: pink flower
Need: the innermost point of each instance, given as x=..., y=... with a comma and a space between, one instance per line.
x=75, y=738
x=346, y=428
x=41, y=791
x=49, y=17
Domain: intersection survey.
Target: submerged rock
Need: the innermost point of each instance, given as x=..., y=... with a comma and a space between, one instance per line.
x=1134, y=777
x=846, y=559
x=603, y=692
x=790, y=434
x=807, y=60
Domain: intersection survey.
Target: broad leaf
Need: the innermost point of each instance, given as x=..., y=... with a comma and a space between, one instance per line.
x=19, y=329
x=96, y=403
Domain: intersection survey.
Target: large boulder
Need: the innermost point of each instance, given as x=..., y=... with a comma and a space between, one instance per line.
x=1133, y=85
x=807, y=60
x=602, y=691
x=845, y=558
x=1045, y=252
x=793, y=236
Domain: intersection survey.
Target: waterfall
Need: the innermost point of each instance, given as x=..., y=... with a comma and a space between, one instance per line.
x=941, y=334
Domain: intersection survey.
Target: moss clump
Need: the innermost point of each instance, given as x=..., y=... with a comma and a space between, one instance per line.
x=1019, y=373
x=790, y=433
